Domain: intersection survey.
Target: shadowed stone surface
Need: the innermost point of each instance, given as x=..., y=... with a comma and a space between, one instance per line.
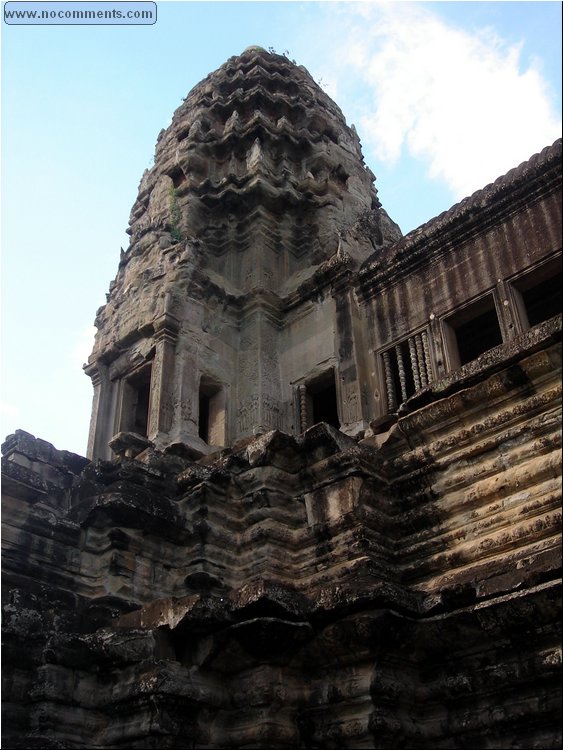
x=321, y=507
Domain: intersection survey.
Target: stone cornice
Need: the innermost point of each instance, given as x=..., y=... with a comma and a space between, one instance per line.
x=262, y=300
x=528, y=183
x=334, y=274
x=166, y=326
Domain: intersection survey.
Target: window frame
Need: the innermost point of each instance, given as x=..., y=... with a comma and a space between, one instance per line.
x=461, y=315
x=425, y=348
x=547, y=269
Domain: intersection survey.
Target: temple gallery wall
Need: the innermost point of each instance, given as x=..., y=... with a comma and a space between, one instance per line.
x=321, y=502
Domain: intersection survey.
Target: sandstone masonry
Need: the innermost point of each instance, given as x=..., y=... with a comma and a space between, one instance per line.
x=321, y=503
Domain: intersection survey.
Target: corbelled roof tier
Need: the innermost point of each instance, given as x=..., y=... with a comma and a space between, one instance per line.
x=257, y=169
x=259, y=133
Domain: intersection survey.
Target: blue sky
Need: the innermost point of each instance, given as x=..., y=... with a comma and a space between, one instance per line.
x=445, y=96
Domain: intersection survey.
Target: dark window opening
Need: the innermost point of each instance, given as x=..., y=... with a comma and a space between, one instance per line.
x=136, y=402
x=142, y=409
x=473, y=331
x=204, y=416
x=340, y=175
x=543, y=300
x=478, y=336
x=211, y=424
x=322, y=401
x=178, y=177
x=324, y=407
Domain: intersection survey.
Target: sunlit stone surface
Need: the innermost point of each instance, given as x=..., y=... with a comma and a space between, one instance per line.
x=321, y=505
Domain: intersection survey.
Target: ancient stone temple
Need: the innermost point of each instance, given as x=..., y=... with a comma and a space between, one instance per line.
x=321, y=503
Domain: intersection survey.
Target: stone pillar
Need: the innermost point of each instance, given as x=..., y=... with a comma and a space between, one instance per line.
x=186, y=411
x=510, y=318
x=259, y=393
x=101, y=422
x=161, y=409
x=439, y=347
x=351, y=372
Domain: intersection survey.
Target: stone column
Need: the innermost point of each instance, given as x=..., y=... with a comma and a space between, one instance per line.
x=302, y=406
x=510, y=318
x=101, y=421
x=439, y=359
x=259, y=393
x=351, y=373
x=161, y=409
x=186, y=409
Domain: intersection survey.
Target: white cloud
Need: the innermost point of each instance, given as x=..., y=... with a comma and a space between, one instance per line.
x=458, y=101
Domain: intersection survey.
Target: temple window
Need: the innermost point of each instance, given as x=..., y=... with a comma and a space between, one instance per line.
x=407, y=367
x=318, y=401
x=538, y=294
x=471, y=331
x=135, y=404
x=211, y=412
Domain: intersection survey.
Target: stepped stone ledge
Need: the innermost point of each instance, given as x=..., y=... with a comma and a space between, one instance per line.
x=321, y=503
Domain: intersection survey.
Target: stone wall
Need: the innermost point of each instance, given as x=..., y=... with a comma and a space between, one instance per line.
x=310, y=591
x=322, y=501
x=473, y=256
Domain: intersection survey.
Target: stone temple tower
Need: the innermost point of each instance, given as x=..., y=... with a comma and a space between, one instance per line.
x=231, y=313
x=322, y=502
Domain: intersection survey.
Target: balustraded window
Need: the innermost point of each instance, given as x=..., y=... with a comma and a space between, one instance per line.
x=407, y=367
